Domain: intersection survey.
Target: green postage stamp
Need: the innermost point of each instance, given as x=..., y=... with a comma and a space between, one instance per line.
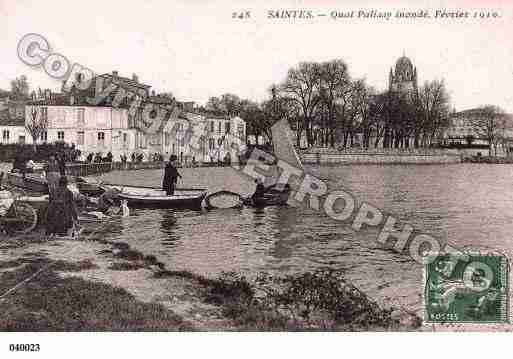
x=474, y=290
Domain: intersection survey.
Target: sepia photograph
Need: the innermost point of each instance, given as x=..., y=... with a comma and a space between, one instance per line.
x=238, y=167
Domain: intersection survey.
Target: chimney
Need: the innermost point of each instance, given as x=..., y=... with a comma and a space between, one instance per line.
x=114, y=74
x=135, y=78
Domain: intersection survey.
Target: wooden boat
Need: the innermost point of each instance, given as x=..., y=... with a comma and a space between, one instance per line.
x=36, y=183
x=224, y=200
x=153, y=197
x=31, y=182
x=228, y=199
x=273, y=199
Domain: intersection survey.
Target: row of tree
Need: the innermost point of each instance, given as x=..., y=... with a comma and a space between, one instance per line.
x=328, y=108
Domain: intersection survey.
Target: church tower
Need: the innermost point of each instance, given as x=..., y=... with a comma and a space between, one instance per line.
x=404, y=77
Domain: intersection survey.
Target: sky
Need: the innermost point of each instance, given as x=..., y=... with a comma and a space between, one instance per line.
x=196, y=50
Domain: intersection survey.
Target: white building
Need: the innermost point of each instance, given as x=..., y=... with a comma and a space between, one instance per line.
x=91, y=129
x=106, y=128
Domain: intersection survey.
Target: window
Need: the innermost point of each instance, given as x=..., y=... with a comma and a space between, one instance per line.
x=80, y=116
x=125, y=139
x=60, y=135
x=80, y=138
x=44, y=113
x=220, y=127
x=5, y=135
x=44, y=136
x=166, y=139
x=219, y=141
x=101, y=138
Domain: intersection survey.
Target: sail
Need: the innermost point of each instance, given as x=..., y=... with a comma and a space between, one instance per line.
x=283, y=141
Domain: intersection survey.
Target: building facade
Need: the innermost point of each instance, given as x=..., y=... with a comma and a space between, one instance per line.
x=12, y=122
x=159, y=125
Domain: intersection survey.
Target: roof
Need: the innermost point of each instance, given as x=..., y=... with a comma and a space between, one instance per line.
x=469, y=113
x=125, y=80
x=161, y=100
x=404, y=67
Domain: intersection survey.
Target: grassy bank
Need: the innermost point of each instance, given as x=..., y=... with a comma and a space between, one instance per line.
x=108, y=286
x=52, y=303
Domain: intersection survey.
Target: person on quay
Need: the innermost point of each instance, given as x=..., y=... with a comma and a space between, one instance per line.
x=62, y=214
x=61, y=160
x=52, y=170
x=170, y=176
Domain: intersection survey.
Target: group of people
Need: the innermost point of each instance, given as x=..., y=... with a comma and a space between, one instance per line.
x=62, y=212
x=97, y=158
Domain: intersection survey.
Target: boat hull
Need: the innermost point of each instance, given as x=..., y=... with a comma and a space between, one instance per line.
x=35, y=183
x=148, y=197
x=30, y=182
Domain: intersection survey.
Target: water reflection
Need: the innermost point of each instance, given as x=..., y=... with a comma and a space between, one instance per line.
x=444, y=201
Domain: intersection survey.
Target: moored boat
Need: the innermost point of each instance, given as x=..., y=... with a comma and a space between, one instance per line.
x=31, y=182
x=36, y=183
x=152, y=197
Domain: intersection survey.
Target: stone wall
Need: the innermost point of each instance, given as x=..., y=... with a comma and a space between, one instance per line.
x=376, y=158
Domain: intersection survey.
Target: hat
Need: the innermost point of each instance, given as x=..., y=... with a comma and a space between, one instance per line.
x=172, y=158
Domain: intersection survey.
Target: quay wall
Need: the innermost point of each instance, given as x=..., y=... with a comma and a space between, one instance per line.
x=377, y=158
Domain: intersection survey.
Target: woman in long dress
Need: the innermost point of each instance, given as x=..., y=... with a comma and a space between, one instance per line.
x=62, y=212
x=52, y=175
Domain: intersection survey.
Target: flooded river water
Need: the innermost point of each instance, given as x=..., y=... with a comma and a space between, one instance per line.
x=464, y=205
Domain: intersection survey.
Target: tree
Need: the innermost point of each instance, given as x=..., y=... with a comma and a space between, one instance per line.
x=432, y=112
x=228, y=104
x=214, y=105
x=37, y=124
x=489, y=123
x=168, y=94
x=335, y=85
x=302, y=87
x=254, y=117
x=20, y=87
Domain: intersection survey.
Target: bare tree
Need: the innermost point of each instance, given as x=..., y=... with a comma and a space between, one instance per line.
x=37, y=124
x=335, y=85
x=302, y=87
x=489, y=123
x=432, y=112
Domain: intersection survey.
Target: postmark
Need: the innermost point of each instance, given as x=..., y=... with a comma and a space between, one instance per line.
x=470, y=290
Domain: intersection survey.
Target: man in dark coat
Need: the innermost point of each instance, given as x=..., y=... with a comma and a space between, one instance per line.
x=170, y=176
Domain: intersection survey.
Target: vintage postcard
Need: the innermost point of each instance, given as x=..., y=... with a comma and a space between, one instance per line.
x=271, y=166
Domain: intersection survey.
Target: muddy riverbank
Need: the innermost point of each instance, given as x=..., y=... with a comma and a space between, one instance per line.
x=80, y=285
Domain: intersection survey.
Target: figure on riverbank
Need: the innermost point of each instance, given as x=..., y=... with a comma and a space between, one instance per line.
x=170, y=176
x=61, y=160
x=52, y=175
x=62, y=213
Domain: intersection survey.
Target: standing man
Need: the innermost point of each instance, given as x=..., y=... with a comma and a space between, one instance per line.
x=170, y=176
x=53, y=175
